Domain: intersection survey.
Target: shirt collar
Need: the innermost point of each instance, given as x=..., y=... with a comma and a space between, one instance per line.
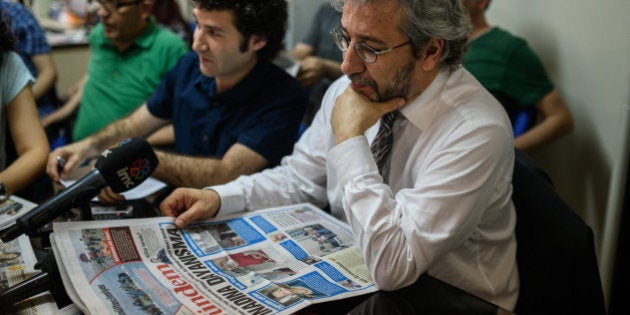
x=417, y=111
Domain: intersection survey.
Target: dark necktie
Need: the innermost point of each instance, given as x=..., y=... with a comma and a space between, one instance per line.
x=382, y=144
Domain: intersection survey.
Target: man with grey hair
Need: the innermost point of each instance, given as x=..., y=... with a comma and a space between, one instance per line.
x=439, y=202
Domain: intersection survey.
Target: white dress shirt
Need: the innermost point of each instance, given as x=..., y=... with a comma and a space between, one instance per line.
x=447, y=209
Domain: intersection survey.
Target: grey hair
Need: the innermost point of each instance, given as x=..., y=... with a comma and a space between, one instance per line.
x=426, y=19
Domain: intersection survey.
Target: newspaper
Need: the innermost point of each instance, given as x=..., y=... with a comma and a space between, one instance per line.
x=12, y=209
x=17, y=262
x=273, y=261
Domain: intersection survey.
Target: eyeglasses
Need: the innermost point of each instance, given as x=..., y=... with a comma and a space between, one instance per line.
x=363, y=50
x=113, y=5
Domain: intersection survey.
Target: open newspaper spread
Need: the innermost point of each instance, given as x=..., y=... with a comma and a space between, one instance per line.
x=273, y=261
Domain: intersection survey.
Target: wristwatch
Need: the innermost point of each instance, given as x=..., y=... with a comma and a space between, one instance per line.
x=4, y=192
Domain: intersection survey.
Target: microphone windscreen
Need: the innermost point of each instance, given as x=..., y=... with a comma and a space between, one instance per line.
x=127, y=164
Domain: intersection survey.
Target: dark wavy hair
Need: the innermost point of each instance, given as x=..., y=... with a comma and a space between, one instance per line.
x=7, y=40
x=264, y=18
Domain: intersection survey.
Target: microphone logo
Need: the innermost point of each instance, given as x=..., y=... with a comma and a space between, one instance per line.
x=109, y=150
x=139, y=170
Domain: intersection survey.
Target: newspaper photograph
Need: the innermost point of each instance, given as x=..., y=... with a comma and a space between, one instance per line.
x=273, y=261
x=12, y=209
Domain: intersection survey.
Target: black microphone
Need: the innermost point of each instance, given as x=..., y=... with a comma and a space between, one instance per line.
x=121, y=167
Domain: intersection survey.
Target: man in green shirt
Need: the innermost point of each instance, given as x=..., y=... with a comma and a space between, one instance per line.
x=130, y=54
x=507, y=67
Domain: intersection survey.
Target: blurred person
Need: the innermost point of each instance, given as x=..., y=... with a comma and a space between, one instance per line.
x=36, y=54
x=20, y=129
x=232, y=110
x=130, y=54
x=407, y=147
x=168, y=14
x=508, y=68
x=318, y=57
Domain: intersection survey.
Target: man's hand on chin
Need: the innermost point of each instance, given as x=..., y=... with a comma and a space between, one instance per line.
x=354, y=113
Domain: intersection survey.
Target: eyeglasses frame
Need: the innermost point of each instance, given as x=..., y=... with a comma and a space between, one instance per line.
x=360, y=46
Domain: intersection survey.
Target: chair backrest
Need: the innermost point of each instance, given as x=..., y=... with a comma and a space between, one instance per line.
x=555, y=252
x=525, y=119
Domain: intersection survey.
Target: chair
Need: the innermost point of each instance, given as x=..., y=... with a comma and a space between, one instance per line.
x=525, y=119
x=555, y=252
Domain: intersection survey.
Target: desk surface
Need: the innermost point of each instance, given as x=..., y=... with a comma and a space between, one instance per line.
x=426, y=296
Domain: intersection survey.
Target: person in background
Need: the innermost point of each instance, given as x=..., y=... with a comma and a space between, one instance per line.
x=36, y=54
x=407, y=147
x=18, y=120
x=233, y=111
x=508, y=68
x=130, y=54
x=168, y=14
x=319, y=59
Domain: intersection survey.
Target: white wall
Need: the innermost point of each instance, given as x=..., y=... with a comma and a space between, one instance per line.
x=301, y=13
x=585, y=46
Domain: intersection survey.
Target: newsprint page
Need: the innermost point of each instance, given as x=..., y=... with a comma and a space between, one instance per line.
x=273, y=261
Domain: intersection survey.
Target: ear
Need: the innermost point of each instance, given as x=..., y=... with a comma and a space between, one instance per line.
x=257, y=42
x=432, y=54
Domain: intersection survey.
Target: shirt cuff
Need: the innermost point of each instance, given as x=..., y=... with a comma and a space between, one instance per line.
x=350, y=159
x=232, y=199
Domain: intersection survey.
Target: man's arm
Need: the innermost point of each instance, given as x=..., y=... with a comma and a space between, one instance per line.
x=198, y=172
x=46, y=74
x=139, y=124
x=301, y=51
x=314, y=68
x=163, y=136
x=557, y=122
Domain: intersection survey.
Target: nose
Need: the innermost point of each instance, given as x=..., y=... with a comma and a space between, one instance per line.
x=351, y=63
x=198, y=45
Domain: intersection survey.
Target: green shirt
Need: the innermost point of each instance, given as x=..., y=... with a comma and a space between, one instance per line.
x=507, y=67
x=119, y=82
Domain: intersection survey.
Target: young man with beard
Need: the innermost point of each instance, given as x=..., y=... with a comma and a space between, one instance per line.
x=440, y=201
x=232, y=110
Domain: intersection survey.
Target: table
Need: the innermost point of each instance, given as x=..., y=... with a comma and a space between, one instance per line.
x=428, y=295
